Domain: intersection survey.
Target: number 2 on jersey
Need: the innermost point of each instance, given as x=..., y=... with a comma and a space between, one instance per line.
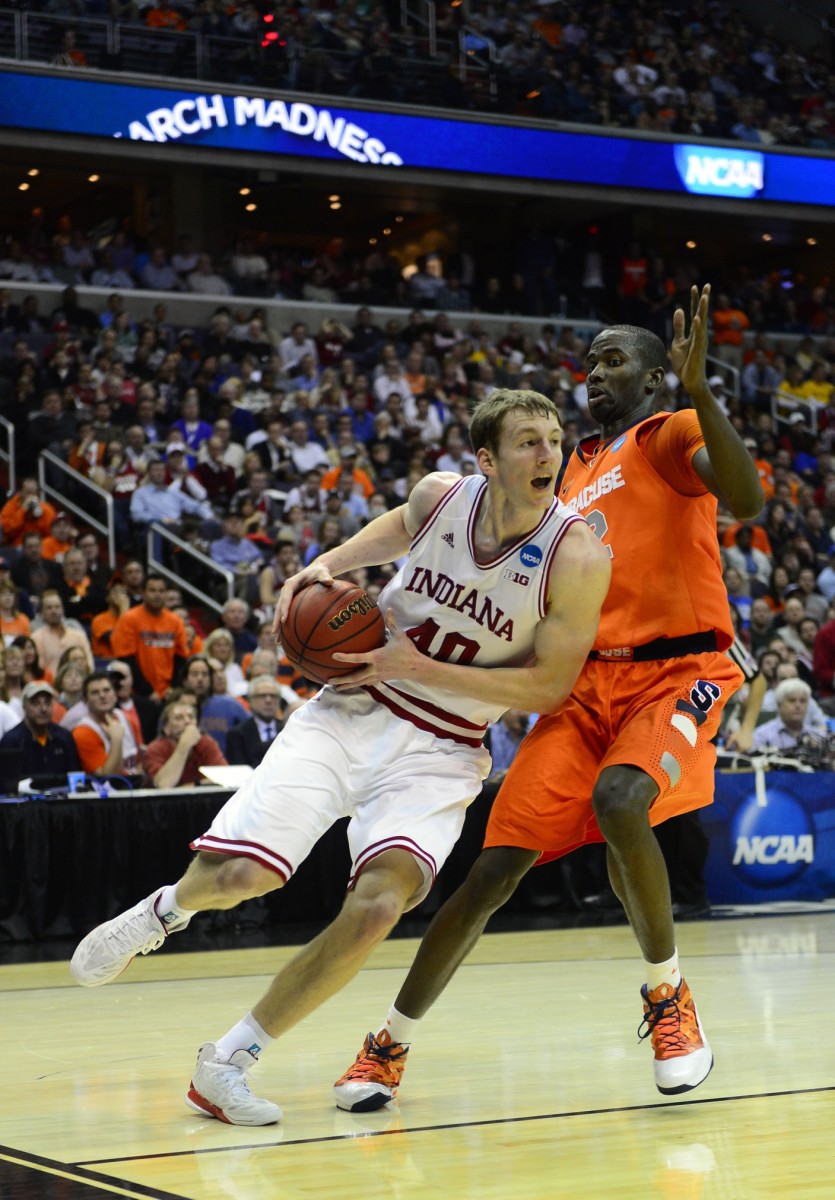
x=599, y=527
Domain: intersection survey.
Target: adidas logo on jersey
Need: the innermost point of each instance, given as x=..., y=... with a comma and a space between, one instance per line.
x=449, y=539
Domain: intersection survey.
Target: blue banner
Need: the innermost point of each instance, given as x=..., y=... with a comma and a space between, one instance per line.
x=166, y=116
x=779, y=845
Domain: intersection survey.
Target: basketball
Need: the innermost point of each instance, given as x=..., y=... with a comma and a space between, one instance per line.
x=323, y=621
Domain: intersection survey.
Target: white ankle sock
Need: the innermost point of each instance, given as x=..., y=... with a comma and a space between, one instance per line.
x=169, y=911
x=665, y=972
x=246, y=1035
x=399, y=1028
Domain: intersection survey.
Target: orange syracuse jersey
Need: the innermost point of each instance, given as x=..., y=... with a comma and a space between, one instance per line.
x=642, y=497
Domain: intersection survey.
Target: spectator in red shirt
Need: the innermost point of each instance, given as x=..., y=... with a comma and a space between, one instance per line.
x=174, y=759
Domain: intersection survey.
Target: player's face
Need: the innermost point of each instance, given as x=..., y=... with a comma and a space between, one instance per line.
x=616, y=383
x=529, y=458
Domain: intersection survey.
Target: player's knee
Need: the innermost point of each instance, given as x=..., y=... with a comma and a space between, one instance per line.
x=621, y=801
x=371, y=918
x=245, y=880
x=494, y=878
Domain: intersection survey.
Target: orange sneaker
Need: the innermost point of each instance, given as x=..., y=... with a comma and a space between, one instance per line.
x=683, y=1058
x=375, y=1076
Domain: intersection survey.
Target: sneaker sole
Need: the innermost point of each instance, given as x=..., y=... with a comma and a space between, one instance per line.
x=368, y=1104
x=205, y=1108
x=685, y=1087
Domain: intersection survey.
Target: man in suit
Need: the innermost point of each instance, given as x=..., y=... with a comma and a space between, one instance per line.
x=248, y=742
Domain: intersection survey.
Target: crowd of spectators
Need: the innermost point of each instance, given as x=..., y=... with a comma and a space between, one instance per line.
x=586, y=272
x=263, y=447
x=692, y=67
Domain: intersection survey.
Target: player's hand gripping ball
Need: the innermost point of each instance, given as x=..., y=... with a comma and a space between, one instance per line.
x=323, y=621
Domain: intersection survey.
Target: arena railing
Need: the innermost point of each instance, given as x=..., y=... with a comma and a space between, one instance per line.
x=50, y=466
x=784, y=406
x=7, y=455
x=158, y=535
x=718, y=366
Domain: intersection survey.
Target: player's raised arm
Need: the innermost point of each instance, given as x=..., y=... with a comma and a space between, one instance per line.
x=563, y=640
x=724, y=466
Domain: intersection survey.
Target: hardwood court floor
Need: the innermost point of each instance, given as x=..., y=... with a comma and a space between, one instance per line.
x=527, y=1081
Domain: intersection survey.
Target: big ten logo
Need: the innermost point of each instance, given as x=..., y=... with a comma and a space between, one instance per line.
x=357, y=608
x=772, y=844
x=516, y=576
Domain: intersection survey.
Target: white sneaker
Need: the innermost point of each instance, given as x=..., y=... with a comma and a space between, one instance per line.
x=109, y=948
x=220, y=1089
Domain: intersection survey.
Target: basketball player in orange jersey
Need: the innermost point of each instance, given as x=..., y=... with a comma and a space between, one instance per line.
x=632, y=744
x=499, y=599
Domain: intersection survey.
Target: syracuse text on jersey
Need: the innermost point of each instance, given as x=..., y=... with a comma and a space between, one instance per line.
x=609, y=481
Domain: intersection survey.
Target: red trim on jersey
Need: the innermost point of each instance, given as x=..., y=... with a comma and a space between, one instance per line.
x=405, y=715
x=549, y=561
x=444, y=500
x=433, y=710
x=215, y=845
x=505, y=554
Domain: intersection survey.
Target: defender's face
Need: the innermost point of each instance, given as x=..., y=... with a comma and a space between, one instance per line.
x=617, y=378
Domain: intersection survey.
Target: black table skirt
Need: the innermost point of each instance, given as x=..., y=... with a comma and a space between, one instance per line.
x=67, y=864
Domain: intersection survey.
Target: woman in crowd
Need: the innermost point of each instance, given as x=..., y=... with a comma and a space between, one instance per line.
x=220, y=645
x=12, y=621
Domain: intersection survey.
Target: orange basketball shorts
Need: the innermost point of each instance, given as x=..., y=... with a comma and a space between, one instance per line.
x=657, y=716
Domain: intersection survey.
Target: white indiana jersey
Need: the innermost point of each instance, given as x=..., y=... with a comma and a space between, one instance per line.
x=458, y=610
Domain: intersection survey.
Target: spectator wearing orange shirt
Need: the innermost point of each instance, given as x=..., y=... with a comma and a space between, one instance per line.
x=12, y=621
x=26, y=512
x=105, y=738
x=163, y=16
x=101, y=627
x=360, y=480
x=61, y=538
x=729, y=325
x=152, y=640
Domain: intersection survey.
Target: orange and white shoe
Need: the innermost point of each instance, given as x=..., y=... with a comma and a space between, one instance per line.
x=683, y=1059
x=375, y=1076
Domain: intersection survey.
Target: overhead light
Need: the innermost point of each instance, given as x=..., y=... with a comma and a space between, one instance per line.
x=386, y=232
x=811, y=241
x=399, y=220
x=244, y=191
x=691, y=245
x=33, y=172
x=766, y=237
x=251, y=207
x=23, y=187
x=334, y=198
x=335, y=207
x=372, y=241
x=93, y=178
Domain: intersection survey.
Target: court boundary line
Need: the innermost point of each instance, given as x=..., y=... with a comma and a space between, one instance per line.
x=79, y=1173
x=351, y=1136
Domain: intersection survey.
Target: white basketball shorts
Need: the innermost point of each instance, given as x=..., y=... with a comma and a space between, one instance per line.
x=343, y=754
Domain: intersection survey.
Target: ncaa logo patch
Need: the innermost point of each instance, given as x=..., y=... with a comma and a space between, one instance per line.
x=530, y=555
x=617, y=445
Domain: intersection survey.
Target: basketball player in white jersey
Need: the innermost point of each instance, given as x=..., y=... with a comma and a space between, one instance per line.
x=496, y=607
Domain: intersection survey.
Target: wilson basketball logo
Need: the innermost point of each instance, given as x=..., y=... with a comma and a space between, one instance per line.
x=357, y=608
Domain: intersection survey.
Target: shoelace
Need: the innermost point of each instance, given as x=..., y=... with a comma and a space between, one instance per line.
x=125, y=944
x=664, y=1019
x=378, y=1055
x=230, y=1080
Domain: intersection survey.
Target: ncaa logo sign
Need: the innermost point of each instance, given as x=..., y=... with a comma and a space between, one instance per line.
x=709, y=171
x=772, y=845
x=530, y=555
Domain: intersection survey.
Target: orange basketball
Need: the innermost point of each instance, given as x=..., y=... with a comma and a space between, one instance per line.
x=325, y=620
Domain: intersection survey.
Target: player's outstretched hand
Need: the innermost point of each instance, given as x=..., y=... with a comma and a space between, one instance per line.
x=399, y=658
x=315, y=573
x=689, y=353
